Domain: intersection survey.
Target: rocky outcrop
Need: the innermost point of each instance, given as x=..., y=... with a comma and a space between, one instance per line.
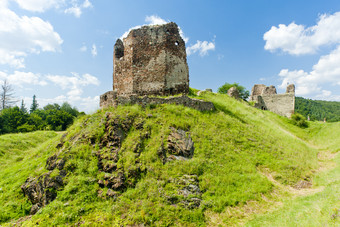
x=116, y=130
x=188, y=193
x=180, y=146
x=42, y=190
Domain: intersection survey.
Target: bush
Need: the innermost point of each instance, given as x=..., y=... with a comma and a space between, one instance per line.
x=299, y=120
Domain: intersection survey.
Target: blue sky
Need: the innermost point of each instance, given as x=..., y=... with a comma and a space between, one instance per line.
x=61, y=50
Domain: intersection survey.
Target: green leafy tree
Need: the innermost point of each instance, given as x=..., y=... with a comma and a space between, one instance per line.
x=69, y=109
x=34, y=105
x=12, y=119
x=244, y=94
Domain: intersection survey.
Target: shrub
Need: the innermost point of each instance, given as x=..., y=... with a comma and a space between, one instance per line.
x=299, y=120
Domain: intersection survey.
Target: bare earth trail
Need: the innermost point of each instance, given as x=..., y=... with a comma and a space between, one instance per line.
x=315, y=205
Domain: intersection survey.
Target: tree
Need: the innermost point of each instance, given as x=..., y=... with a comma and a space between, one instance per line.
x=23, y=107
x=244, y=94
x=34, y=105
x=6, y=96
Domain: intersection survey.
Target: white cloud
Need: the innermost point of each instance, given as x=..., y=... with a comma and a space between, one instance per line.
x=154, y=19
x=83, y=48
x=87, y=104
x=23, y=78
x=20, y=36
x=73, y=83
x=94, y=50
x=202, y=47
x=87, y=4
x=39, y=5
x=325, y=73
x=77, y=9
x=297, y=39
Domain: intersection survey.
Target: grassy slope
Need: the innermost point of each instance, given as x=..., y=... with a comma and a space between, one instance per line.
x=233, y=145
x=323, y=207
x=21, y=156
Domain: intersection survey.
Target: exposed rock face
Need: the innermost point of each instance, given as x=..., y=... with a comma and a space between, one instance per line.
x=151, y=60
x=266, y=98
x=188, y=193
x=180, y=146
x=234, y=93
x=42, y=191
x=109, y=154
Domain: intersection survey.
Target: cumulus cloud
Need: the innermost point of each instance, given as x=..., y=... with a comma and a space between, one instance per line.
x=77, y=9
x=20, y=36
x=202, y=47
x=39, y=5
x=94, y=50
x=23, y=78
x=74, y=83
x=325, y=73
x=297, y=39
x=154, y=20
x=88, y=104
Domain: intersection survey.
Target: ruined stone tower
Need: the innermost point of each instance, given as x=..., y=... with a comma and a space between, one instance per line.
x=151, y=60
x=266, y=98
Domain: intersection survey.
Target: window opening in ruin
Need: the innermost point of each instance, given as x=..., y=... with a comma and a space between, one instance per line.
x=176, y=43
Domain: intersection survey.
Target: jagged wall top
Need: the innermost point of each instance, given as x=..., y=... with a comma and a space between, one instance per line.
x=151, y=60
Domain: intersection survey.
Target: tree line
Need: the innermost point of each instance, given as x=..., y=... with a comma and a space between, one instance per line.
x=318, y=110
x=15, y=119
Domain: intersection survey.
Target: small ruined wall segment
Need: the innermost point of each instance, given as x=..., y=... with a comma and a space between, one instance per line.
x=266, y=99
x=112, y=99
x=151, y=60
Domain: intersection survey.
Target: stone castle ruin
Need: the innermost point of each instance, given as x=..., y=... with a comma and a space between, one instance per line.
x=266, y=98
x=151, y=60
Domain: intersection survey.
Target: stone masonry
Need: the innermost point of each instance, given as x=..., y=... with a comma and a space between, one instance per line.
x=266, y=98
x=151, y=60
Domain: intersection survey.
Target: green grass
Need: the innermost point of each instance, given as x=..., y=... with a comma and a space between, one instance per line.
x=22, y=155
x=321, y=208
x=231, y=145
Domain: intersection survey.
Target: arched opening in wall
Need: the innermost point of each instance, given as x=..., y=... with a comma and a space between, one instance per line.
x=176, y=43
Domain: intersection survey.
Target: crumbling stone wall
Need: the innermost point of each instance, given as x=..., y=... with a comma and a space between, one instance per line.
x=146, y=100
x=266, y=98
x=151, y=60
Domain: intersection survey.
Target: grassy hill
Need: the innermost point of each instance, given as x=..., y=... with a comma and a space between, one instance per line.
x=160, y=166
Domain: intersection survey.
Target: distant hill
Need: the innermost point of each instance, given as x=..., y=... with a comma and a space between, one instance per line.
x=317, y=110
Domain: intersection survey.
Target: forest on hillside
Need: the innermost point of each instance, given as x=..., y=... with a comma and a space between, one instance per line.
x=318, y=110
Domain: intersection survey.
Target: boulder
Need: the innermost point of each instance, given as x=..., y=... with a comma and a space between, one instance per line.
x=234, y=93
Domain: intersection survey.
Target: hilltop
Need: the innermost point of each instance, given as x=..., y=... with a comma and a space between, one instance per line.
x=161, y=165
